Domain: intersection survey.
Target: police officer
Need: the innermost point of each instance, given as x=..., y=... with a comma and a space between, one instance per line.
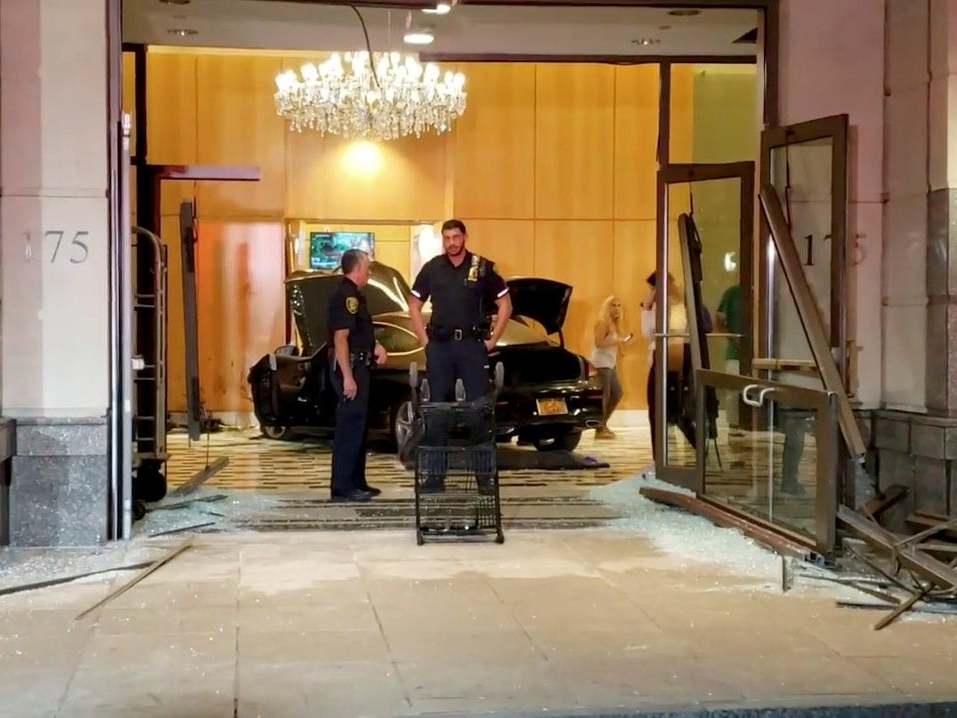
x=464, y=288
x=353, y=351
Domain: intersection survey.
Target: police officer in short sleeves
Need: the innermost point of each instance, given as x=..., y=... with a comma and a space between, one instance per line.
x=353, y=352
x=464, y=288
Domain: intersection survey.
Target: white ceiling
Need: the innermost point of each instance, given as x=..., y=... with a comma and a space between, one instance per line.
x=468, y=29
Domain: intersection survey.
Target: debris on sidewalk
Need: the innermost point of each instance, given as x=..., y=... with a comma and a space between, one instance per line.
x=915, y=579
x=151, y=568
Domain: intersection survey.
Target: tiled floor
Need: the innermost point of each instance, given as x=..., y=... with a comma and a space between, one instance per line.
x=367, y=624
x=290, y=480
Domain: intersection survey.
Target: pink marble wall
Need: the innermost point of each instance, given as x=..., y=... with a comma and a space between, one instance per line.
x=832, y=62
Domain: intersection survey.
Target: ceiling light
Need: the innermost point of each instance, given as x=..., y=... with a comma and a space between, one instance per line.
x=419, y=37
x=182, y=31
x=688, y=12
x=342, y=96
x=645, y=41
x=442, y=8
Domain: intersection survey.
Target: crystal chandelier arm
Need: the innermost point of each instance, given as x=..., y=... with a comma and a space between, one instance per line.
x=365, y=32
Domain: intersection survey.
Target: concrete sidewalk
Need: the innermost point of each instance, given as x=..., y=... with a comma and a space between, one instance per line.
x=367, y=624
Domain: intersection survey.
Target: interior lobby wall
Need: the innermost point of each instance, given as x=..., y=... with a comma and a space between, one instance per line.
x=551, y=166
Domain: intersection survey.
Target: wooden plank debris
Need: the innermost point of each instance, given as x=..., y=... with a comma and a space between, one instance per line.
x=201, y=477
x=152, y=568
x=880, y=503
x=69, y=579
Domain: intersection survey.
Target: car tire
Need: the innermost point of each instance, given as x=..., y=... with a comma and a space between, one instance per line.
x=277, y=433
x=150, y=483
x=400, y=424
x=562, y=442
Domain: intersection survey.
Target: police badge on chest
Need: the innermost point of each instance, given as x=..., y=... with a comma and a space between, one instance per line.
x=473, y=270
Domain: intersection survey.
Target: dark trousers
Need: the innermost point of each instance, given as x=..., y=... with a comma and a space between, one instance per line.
x=450, y=360
x=349, y=446
x=676, y=385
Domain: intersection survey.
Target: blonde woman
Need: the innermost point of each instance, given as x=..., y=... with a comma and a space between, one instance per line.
x=609, y=338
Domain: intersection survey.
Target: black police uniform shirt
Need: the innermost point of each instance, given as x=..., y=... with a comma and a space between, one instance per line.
x=461, y=296
x=348, y=310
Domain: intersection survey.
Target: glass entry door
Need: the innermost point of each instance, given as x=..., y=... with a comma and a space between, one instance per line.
x=703, y=300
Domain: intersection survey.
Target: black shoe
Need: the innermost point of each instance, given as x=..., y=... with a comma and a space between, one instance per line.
x=372, y=490
x=356, y=495
x=795, y=490
x=485, y=486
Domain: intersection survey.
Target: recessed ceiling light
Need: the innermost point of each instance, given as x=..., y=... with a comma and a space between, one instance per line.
x=442, y=8
x=419, y=37
x=645, y=41
x=687, y=12
x=182, y=31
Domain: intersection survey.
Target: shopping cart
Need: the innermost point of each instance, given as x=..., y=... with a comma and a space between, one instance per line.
x=456, y=476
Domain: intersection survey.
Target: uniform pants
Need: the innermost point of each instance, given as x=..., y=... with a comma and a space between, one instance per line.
x=447, y=361
x=349, y=446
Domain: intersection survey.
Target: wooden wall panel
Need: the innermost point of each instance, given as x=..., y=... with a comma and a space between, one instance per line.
x=241, y=306
x=332, y=178
x=171, y=119
x=574, y=141
x=494, y=143
x=682, y=113
x=636, y=141
x=634, y=260
x=508, y=243
x=577, y=253
x=237, y=124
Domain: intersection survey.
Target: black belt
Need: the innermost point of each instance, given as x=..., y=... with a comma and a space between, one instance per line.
x=362, y=358
x=454, y=334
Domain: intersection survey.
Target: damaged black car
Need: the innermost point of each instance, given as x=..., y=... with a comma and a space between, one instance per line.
x=549, y=397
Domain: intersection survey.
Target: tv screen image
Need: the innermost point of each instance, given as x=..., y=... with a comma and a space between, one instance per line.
x=326, y=248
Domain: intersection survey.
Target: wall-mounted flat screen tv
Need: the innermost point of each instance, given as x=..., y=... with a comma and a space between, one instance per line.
x=326, y=248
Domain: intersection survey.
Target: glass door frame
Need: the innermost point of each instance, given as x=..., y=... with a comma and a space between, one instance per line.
x=686, y=173
x=825, y=406
x=834, y=128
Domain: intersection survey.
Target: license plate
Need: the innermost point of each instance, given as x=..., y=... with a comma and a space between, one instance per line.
x=551, y=407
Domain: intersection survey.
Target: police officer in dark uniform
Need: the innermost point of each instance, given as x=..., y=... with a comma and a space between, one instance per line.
x=353, y=352
x=464, y=289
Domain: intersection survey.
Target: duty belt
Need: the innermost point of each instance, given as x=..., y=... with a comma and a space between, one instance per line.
x=456, y=334
x=362, y=358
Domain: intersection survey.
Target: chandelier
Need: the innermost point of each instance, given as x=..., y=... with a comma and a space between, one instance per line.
x=387, y=98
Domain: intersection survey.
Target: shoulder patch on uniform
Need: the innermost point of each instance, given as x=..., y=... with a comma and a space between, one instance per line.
x=352, y=304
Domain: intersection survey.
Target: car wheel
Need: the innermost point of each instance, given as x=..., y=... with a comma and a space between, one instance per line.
x=402, y=415
x=278, y=433
x=150, y=483
x=562, y=442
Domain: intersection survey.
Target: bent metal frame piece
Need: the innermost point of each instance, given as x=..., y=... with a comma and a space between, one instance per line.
x=811, y=319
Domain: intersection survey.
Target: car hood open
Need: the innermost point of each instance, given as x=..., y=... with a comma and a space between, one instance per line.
x=308, y=294
x=543, y=300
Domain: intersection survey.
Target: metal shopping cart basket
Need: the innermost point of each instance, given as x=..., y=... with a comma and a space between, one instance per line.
x=456, y=476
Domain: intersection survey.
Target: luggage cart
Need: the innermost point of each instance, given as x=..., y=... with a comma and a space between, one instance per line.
x=456, y=475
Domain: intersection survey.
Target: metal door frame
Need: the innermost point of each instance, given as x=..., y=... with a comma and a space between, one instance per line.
x=834, y=128
x=687, y=173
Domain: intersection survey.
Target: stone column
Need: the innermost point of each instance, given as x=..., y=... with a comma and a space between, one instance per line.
x=942, y=211
x=54, y=265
